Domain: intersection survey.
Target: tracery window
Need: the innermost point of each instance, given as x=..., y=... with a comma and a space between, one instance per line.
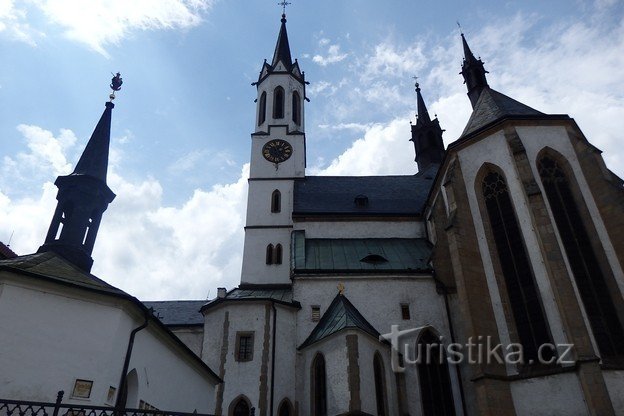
x=435, y=383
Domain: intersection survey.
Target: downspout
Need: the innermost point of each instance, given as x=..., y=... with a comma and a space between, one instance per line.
x=443, y=288
x=120, y=403
x=273, y=357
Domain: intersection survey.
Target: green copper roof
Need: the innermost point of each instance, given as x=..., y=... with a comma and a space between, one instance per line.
x=365, y=255
x=284, y=295
x=340, y=315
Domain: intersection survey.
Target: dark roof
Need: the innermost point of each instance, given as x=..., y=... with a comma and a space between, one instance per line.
x=55, y=267
x=363, y=255
x=94, y=159
x=178, y=312
x=340, y=315
x=6, y=252
x=387, y=195
x=492, y=106
x=282, y=48
x=246, y=292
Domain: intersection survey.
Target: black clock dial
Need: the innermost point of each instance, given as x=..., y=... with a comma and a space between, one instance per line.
x=277, y=151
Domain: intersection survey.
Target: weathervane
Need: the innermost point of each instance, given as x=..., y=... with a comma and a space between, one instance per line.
x=283, y=3
x=461, y=32
x=115, y=85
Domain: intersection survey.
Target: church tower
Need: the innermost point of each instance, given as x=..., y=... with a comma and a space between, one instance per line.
x=277, y=160
x=427, y=136
x=473, y=73
x=83, y=197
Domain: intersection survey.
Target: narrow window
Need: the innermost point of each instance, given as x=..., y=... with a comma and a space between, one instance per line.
x=296, y=108
x=316, y=313
x=269, y=254
x=241, y=408
x=244, y=346
x=278, y=103
x=380, y=385
x=278, y=254
x=319, y=386
x=523, y=295
x=405, y=311
x=262, y=109
x=436, y=395
x=589, y=278
x=276, y=201
x=284, y=409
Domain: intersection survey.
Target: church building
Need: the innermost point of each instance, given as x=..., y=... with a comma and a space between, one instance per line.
x=489, y=283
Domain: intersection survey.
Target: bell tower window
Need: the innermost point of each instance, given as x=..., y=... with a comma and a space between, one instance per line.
x=278, y=103
x=262, y=109
x=276, y=201
x=269, y=254
x=296, y=108
x=277, y=259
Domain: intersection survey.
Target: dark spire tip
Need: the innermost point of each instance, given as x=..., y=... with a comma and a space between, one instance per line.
x=283, y=18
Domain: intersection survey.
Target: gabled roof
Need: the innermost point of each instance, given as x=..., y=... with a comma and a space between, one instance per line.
x=387, y=195
x=178, y=312
x=340, y=315
x=279, y=293
x=360, y=255
x=6, y=252
x=492, y=106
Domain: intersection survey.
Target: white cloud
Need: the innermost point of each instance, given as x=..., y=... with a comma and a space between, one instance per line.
x=98, y=23
x=333, y=55
x=387, y=62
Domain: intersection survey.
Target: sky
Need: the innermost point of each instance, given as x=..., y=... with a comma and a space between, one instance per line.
x=182, y=121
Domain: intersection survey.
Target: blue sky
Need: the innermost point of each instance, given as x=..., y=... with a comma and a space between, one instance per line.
x=182, y=121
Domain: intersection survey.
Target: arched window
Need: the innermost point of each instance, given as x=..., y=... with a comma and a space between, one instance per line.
x=296, y=108
x=380, y=385
x=589, y=278
x=435, y=383
x=278, y=103
x=240, y=407
x=524, y=297
x=319, y=386
x=269, y=254
x=276, y=201
x=285, y=408
x=278, y=254
x=262, y=109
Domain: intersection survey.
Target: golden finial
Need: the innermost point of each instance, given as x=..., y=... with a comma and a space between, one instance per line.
x=341, y=288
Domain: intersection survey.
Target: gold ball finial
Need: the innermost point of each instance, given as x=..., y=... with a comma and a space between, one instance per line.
x=341, y=288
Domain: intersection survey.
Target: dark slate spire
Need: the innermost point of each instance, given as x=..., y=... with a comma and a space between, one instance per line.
x=473, y=73
x=83, y=197
x=282, y=49
x=427, y=136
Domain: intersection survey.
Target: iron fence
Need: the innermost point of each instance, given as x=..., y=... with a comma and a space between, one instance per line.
x=28, y=408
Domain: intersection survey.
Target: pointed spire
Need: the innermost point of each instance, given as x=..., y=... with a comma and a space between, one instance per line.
x=94, y=159
x=473, y=73
x=423, y=114
x=282, y=48
x=427, y=136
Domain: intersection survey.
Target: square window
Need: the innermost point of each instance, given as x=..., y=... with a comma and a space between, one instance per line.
x=244, y=346
x=316, y=313
x=405, y=311
x=82, y=389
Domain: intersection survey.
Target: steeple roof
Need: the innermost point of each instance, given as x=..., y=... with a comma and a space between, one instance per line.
x=468, y=55
x=282, y=48
x=94, y=159
x=492, y=106
x=340, y=315
x=423, y=114
x=473, y=72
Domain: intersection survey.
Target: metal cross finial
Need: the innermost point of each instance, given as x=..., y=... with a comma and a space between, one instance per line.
x=283, y=3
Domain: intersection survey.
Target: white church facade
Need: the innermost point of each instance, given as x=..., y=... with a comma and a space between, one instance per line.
x=510, y=236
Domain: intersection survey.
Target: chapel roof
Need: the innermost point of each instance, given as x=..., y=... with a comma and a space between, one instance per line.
x=178, y=312
x=341, y=314
x=385, y=195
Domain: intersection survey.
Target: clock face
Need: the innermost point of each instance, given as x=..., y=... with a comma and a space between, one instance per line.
x=277, y=151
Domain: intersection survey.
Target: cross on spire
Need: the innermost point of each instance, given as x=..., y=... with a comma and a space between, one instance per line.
x=283, y=3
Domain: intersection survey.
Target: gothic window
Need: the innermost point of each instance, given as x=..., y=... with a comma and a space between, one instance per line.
x=296, y=108
x=319, y=386
x=380, y=385
x=269, y=254
x=276, y=201
x=277, y=259
x=278, y=103
x=244, y=346
x=285, y=408
x=262, y=109
x=241, y=408
x=435, y=383
x=589, y=278
x=522, y=291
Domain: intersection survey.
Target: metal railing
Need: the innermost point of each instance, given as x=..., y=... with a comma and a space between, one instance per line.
x=28, y=408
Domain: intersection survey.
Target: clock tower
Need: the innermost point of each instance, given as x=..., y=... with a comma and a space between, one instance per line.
x=277, y=161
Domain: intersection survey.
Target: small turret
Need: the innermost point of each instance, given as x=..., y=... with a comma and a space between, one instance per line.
x=473, y=73
x=427, y=136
